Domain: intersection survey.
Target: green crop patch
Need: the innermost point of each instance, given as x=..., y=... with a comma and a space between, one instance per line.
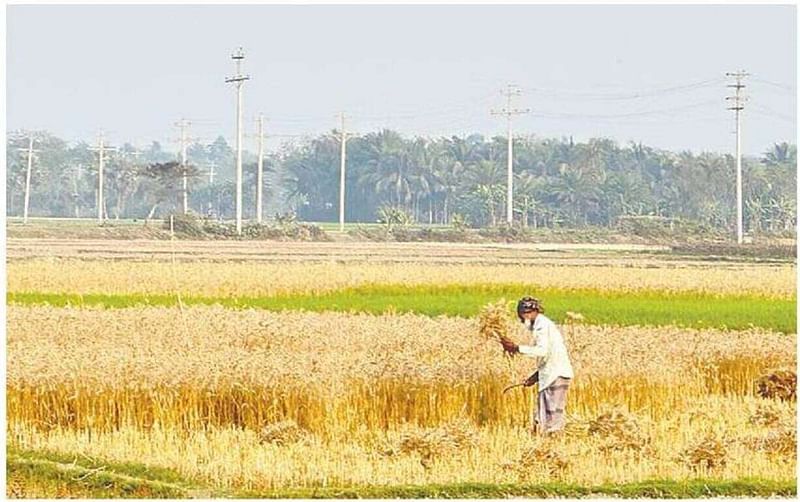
x=692, y=488
x=43, y=474
x=645, y=308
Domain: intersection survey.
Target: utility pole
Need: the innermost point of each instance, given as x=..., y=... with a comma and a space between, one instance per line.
x=29, y=152
x=738, y=101
x=343, y=138
x=126, y=157
x=211, y=172
x=260, y=176
x=100, y=149
x=184, y=124
x=510, y=92
x=75, y=194
x=238, y=79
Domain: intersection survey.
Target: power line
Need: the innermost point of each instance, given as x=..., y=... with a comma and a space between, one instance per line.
x=642, y=113
x=763, y=110
x=578, y=94
x=773, y=84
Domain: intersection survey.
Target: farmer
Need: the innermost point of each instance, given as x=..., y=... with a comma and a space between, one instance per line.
x=554, y=369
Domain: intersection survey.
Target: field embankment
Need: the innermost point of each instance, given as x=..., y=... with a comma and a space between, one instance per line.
x=38, y=474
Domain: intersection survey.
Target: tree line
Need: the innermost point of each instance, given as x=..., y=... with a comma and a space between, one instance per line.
x=557, y=182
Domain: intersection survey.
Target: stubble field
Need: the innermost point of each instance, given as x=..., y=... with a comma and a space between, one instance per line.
x=340, y=378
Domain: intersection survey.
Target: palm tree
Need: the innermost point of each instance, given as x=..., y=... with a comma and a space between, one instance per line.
x=311, y=175
x=390, y=167
x=526, y=194
x=780, y=154
x=484, y=182
x=458, y=154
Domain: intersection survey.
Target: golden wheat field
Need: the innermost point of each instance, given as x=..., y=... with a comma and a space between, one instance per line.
x=230, y=279
x=259, y=400
x=247, y=399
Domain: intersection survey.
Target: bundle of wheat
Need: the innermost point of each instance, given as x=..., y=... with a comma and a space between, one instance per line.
x=576, y=427
x=462, y=433
x=281, y=433
x=541, y=458
x=709, y=453
x=780, y=442
x=765, y=416
x=780, y=384
x=431, y=443
x=494, y=322
x=618, y=431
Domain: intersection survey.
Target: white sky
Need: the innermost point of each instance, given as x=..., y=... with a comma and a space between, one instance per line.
x=135, y=70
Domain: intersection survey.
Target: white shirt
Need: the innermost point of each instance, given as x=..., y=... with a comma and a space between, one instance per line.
x=549, y=345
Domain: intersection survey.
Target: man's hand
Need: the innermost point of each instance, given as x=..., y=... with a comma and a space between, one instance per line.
x=532, y=380
x=509, y=346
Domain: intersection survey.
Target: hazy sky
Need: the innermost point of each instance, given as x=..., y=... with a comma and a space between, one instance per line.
x=633, y=73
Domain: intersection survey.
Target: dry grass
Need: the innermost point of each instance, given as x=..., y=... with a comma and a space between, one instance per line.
x=268, y=279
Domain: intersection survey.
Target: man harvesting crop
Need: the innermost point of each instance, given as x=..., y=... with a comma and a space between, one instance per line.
x=554, y=370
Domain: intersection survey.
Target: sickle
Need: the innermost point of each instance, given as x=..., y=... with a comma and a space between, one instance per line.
x=512, y=386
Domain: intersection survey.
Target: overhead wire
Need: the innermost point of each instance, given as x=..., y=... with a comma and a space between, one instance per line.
x=642, y=113
x=460, y=113
x=595, y=96
x=774, y=84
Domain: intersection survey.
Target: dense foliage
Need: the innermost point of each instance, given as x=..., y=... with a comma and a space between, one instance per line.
x=558, y=182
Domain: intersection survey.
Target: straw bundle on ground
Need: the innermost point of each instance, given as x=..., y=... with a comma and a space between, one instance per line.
x=780, y=384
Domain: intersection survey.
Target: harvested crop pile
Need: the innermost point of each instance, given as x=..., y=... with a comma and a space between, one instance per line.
x=709, y=453
x=434, y=442
x=765, y=416
x=618, y=430
x=536, y=459
x=779, y=384
x=281, y=433
x=781, y=442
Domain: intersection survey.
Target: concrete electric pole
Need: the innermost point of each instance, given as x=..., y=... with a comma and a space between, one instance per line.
x=510, y=92
x=29, y=151
x=343, y=138
x=260, y=175
x=101, y=150
x=212, y=172
x=239, y=80
x=183, y=125
x=738, y=101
